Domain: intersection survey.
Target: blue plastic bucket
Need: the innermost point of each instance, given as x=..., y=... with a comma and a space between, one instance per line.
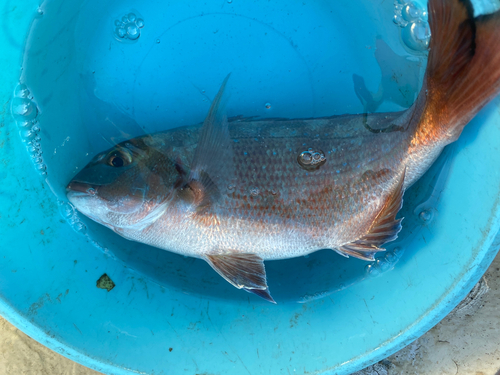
x=91, y=83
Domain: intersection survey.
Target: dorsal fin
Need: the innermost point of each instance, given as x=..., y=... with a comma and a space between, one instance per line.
x=385, y=227
x=212, y=167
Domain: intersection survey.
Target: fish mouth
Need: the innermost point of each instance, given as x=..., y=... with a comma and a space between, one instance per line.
x=79, y=189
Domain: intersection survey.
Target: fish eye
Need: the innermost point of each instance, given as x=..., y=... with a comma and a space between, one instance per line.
x=120, y=158
x=116, y=161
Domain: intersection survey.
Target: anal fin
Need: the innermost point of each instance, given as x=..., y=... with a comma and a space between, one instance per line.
x=385, y=228
x=242, y=270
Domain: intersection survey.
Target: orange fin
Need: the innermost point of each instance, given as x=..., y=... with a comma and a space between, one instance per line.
x=242, y=270
x=463, y=69
x=385, y=228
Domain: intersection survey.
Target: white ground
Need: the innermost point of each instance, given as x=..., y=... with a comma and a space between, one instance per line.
x=466, y=342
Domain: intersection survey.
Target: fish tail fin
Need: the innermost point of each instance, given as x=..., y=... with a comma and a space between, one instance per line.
x=463, y=69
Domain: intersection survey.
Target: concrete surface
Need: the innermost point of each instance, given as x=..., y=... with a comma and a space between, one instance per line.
x=466, y=342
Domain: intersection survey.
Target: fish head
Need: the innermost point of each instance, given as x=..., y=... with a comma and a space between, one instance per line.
x=127, y=186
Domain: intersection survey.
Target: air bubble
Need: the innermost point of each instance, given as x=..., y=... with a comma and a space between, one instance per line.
x=24, y=109
x=417, y=35
x=132, y=31
x=383, y=265
x=91, y=191
x=21, y=91
x=120, y=32
x=398, y=20
x=391, y=257
x=311, y=159
x=268, y=105
x=229, y=1
x=426, y=215
x=254, y=191
x=27, y=135
x=128, y=28
x=410, y=12
x=398, y=251
x=80, y=227
x=24, y=124
x=66, y=210
x=306, y=157
x=157, y=41
x=372, y=270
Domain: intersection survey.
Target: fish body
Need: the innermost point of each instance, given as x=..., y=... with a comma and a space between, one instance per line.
x=236, y=193
x=269, y=204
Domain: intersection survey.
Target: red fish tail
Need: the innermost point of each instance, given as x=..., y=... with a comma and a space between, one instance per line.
x=463, y=69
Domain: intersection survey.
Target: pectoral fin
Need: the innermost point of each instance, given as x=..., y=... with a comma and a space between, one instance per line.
x=242, y=270
x=385, y=228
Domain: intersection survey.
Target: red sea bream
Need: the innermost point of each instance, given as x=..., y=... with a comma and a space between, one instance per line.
x=241, y=192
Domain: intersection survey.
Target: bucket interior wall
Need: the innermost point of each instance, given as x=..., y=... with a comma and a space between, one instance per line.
x=90, y=88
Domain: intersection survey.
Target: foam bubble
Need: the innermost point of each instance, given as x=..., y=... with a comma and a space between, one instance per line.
x=70, y=215
x=384, y=263
x=128, y=27
x=412, y=19
x=25, y=112
x=311, y=159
